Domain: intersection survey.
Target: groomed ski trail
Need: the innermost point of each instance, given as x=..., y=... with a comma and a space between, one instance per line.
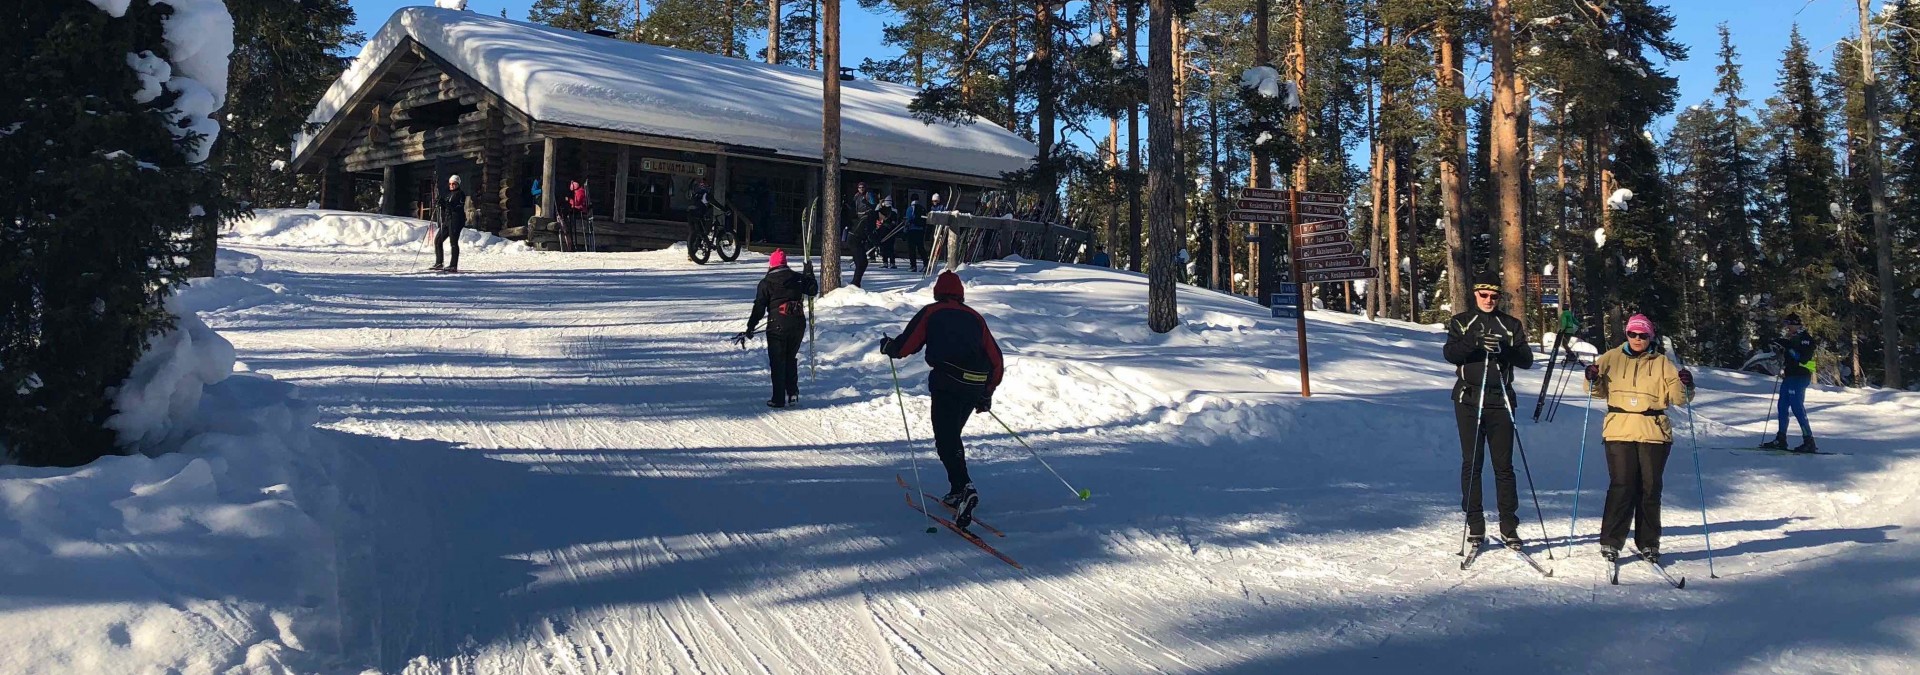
x=576, y=473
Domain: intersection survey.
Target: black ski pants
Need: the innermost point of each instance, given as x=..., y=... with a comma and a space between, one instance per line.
x=953, y=404
x=449, y=235
x=861, y=251
x=916, y=249
x=1633, y=493
x=1496, y=435
x=783, y=359
x=888, y=255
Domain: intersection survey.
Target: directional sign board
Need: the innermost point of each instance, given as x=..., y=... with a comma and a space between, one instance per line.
x=1325, y=276
x=1319, y=226
x=1335, y=263
x=1247, y=204
x=1289, y=289
x=1327, y=250
x=1322, y=198
x=1551, y=299
x=1259, y=217
x=1338, y=236
x=1264, y=193
x=1325, y=210
x=1286, y=311
x=1279, y=299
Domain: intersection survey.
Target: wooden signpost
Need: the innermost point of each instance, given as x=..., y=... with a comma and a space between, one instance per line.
x=1319, y=251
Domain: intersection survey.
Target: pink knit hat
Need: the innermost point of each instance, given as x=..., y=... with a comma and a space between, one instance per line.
x=1640, y=324
x=779, y=259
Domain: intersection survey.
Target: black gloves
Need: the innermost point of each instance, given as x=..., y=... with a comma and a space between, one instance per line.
x=886, y=346
x=1492, y=343
x=985, y=404
x=1593, y=372
x=1686, y=378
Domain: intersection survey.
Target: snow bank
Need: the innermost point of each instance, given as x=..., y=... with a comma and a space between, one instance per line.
x=212, y=552
x=310, y=228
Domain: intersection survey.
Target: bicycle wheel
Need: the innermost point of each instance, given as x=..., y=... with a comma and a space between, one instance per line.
x=699, y=245
x=726, y=241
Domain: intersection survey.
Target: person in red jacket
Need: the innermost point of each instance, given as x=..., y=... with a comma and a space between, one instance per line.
x=966, y=370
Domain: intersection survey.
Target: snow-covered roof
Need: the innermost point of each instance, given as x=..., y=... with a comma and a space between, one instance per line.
x=564, y=77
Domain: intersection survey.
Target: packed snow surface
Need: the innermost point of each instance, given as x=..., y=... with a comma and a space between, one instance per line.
x=329, y=228
x=558, y=464
x=567, y=77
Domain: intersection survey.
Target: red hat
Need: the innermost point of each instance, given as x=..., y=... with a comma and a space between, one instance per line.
x=948, y=286
x=779, y=259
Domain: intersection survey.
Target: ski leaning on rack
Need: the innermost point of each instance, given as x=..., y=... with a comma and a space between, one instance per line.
x=1676, y=582
x=1524, y=557
x=969, y=536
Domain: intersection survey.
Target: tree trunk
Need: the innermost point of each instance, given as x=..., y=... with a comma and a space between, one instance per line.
x=773, y=31
x=813, y=40
x=1393, y=186
x=1163, y=182
x=1299, y=63
x=1373, y=248
x=1043, y=58
x=1218, y=179
x=830, y=150
x=726, y=41
x=1877, y=197
x=1505, y=160
x=1261, y=173
x=1133, y=147
x=1452, y=125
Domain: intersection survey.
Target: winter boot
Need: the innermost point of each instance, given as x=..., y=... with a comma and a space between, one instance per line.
x=1512, y=542
x=793, y=399
x=776, y=403
x=1651, y=554
x=1779, y=442
x=1611, y=553
x=962, y=501
x=438, y=266
x=1806, y=445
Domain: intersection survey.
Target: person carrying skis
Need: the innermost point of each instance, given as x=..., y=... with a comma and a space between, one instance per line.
x=1639, y=384
x=966, y=370
x=1481, y=338
x=781, y=298
x=453, y=218
x=1795, y=348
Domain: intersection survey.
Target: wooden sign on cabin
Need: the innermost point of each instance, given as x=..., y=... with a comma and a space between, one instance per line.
x=668, y=166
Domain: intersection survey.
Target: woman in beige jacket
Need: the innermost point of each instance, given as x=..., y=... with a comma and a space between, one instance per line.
x=1639, y=384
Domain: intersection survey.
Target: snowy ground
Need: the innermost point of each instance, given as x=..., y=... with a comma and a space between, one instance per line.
x=570, y=470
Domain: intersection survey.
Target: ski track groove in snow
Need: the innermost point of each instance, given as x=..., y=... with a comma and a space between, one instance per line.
x=653, y=516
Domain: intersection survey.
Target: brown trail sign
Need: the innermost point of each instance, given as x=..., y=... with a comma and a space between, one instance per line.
x=1333, y=263
x=1278, y=218
x=1317, y=227
x=1261, y=205
x=1263, y=193
x=1327, y=250
x=1331, y=237
x=1322, y=198
x=1323, y=210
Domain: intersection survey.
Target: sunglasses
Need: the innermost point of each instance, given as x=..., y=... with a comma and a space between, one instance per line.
x=1487, y=295
x=1639, y=336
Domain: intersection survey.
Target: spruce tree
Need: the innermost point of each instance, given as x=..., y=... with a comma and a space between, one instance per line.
x=286, y=54
x=583, y=15
x=1803, y=178
x=722, y=27
x=1902, y=85
x=99, y=195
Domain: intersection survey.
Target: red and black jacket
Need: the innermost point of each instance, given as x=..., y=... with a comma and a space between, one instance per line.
x=958, y=343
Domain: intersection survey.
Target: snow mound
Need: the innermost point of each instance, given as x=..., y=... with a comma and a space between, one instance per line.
x=321, y=228
x=212, y=552
x=228, y=262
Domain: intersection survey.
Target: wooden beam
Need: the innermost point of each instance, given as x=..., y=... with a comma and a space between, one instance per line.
x=620, y=184
x=625, y=138
x=549, y=174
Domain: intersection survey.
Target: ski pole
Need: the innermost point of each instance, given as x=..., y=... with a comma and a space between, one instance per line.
x=1771, y=412
x=1514, y=419
x=913, y=459
x=1579, y=472
x=1479, y=413
x=1699, y=481
x=1082, y=494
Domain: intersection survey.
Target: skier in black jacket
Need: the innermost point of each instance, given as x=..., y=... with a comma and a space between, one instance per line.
x=1477, y=339
x=859, y=237
x=782, y=300
x=452, y=205
x=966, y=371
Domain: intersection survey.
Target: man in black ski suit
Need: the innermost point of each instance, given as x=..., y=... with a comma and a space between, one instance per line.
x=865, y=211
x=452, y=205
x=781, y=298
x=966, y=369
x=1476, y=340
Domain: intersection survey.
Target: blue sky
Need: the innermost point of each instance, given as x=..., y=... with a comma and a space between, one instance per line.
x=1759, y=31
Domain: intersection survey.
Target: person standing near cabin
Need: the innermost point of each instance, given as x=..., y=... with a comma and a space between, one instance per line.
x=453, y=218
x=886, y=226
x=582, y=207
x=1795, y=348
x=1480, y=339
x=1100, y=257
x=861, y=233
x=916, y=232
x=966, y=370
x=1638, y=383
x=781, y=298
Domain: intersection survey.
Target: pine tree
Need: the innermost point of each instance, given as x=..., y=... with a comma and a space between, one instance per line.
x=1166, y=192
x=1803, y=177
x=1715, y=143
x=583, y=15
x=100, y=193
x=285, y=56
x=721, y=27
x=1903, y=171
